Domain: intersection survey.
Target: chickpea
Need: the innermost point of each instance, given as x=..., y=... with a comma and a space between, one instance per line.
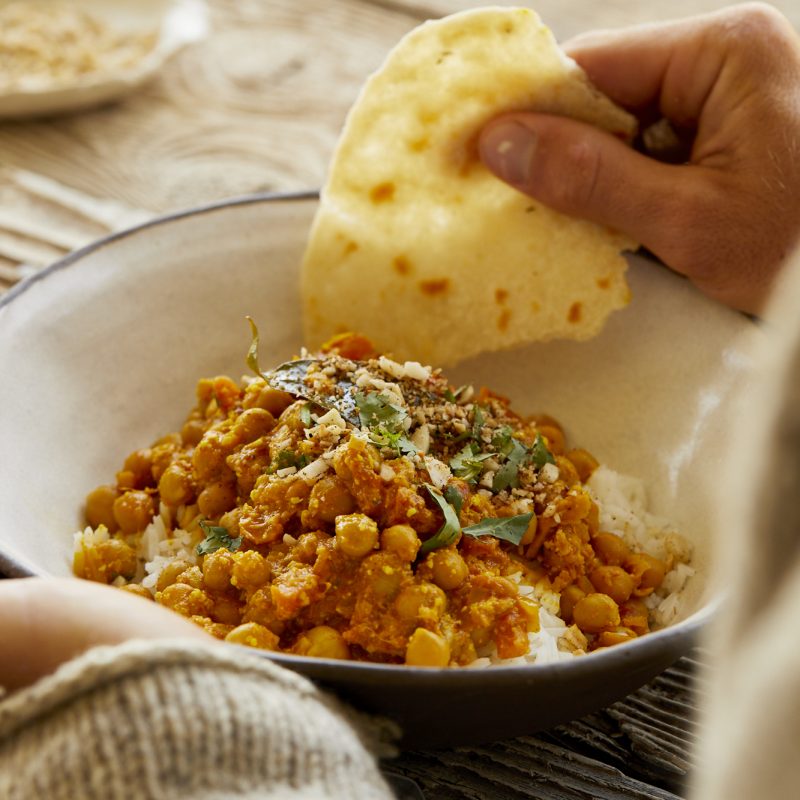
x=617, y=635
x=169, y=574
x=420, y=601
x=186, y=600
x=140, y=464
x=610, y=548
x=567, y=471
x=105, y=561
x=596, y=612
x=402, y=540
x=647, y=572
x=330, y=498
x=583, y=583
x=427, y=649
x=230, y=521
x=163, y=455
x=208, y=459
x=251, y=634
x=137, y=590
x=584, y=462
x=569, y=598
x=250, y=570
x=614, y=582
x=593, y=519
x=449, y=568
x=193, y=576
x=216, y=499
x=356, y=534
x=175, y=485
x=386, y=584
x=635, y=615
x=260, y=395
x=530, y=608
x=322, y=642
x=100, y=507
x=133, y=511
x=217, y=570
x=192, y=431
x=252, y=424
x=226, y=610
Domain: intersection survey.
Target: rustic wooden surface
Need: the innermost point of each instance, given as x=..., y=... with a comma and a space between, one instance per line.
x=258, y=106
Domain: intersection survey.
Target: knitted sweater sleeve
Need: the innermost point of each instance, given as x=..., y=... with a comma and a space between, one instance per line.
x=150, y=719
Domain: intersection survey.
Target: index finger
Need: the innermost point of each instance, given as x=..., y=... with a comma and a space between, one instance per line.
x=663, y=65
x=676, y=65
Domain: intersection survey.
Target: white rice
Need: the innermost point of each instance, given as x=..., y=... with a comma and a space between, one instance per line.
x=622, y=501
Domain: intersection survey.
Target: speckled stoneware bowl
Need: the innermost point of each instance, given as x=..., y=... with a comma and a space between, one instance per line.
x=100, y=355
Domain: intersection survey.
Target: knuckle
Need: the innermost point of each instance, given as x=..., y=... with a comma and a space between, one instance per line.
x=753, y=24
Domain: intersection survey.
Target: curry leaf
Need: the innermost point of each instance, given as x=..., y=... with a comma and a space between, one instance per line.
x=252, y=353
x=290, y=377
x=510, y=529
x=454, y=497
x=217, y=537
x=448, y=533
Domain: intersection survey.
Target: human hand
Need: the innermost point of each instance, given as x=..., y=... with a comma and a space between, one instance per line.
x=45, y=622
x=729, y=216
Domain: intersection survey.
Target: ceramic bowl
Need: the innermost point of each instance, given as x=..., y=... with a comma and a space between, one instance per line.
x=175, y=22
x=100, y=355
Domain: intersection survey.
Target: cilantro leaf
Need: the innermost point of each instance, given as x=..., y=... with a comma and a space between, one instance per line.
x=508, y=474
x=286, y=459
x=478, y=421
x=384, y=421
x=448, y=533
x=217, y=537
x=375, y=409
x=467, y=464
x=539, y=454
x=510, y=529
x=452, y=396
x=502, y=440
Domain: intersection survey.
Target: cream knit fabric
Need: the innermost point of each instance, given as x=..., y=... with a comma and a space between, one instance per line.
x=177, y=720
x=750, y=748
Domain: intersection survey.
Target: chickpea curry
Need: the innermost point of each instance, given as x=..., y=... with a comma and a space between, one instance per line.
x=344, y=505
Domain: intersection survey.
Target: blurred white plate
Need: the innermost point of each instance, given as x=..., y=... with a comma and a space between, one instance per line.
x=176, y=22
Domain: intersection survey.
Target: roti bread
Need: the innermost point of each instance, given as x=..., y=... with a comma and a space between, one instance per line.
x=416, y=244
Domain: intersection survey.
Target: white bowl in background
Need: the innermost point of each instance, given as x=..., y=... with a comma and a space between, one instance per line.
x=176, y=24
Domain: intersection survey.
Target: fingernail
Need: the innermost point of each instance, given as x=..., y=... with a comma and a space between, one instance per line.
x=508, y=149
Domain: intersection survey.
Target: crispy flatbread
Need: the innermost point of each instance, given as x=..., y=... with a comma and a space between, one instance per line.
x=416, y=244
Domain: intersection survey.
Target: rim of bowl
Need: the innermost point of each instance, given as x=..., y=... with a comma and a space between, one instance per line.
x=678, y=637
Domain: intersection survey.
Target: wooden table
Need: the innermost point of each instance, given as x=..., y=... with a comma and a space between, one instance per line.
x=258, y=106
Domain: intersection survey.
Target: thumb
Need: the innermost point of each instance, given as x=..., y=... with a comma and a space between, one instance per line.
x=586, y=172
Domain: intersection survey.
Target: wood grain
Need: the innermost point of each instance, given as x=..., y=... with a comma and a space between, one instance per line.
x=258, y=106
